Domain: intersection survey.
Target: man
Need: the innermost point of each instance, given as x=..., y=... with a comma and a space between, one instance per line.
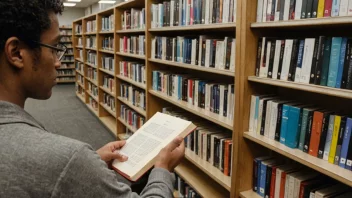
x=34, y=162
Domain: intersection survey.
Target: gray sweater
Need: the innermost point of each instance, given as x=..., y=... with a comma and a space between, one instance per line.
x=36, y=163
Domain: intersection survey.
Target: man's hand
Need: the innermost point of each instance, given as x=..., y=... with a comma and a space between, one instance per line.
x=107, y=152
x=170, y=156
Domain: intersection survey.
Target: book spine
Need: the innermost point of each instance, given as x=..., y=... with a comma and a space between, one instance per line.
x=326, y=62
x=335, y=136
x=341, y=63
x=349, y=9
x=349, y=76
x=282, y=8
x=278, y=122
x=284, y=122
x=309, y=8
x=298, y=9
x=308, y=133
x=335, y=8
x=320, y=57
x=343, y=10
x=292, y=127
x=334, y=61
x=281, y=59
x=340, y=140
x=262, y=126
x=321, y=5
x=303, y=129
x=291, y=15
x=328, y=7
x=314, y=62
x=316, y=132
x=315, y=9
x=293, y=62
x=268, y=181
x=304, y=10
x=346, y=142
x=298, y=68
x=309, y=45
x=329, y=137
x=276, y=58
x=346, y=65
x=271, y=59
x=323, y=136
x=287, y=59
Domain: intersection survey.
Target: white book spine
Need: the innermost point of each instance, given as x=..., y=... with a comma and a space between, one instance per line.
x=287, y=185
x=233, y=55
x=228, y=100
x=329, y=138
x=160, y=11
x=286, y=10
x=276, y=58
x=217, y=54
x=273, y=120
x=200, y=51
x=307, y=60
x=207, y=7
x=225, y=13
x=298, y=9
x=196, y=92
x=349, y=10
x=277, y=11
x=263, y=71
x=260, y=4
x=205, y=140
x=211, y=159
x=260, y=113
x=262, y=54
x=252, y=113
x=164, y=48
x=207, y=96
x=286, y=59
x=291, y=187
x=277, y=183
x=343, y=8
x=267, y=118
x=172, y=10
x=222, y=92
x=207, y=52
x=234, y=10
x=268, y=9
x=188, y=14
x=222, y=55
x=224, y=52
x=193, y=58
x=265, y=6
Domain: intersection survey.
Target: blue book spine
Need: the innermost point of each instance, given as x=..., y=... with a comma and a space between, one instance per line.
x=179, y=87
x=178, y=50
x=335, y=8
x=300, y=54
x=259, y=175
x=334, y=60
x=262, y=179
x=184, y=7
x=292, y=133
x=341, y=63
x=345, y=143
x=284, y=121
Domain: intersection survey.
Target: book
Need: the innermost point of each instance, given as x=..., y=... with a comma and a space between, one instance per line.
x=144, y=145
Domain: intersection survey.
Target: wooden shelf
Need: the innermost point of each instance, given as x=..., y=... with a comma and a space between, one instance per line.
x=107, y=51
x=137, y=84
x=91, y=48
x=93, y=110
x=346, y=20
x=79, y=72
x=80, y=47
x=342, y=93
x=137, y=109
x=209, y=169
x=107, y=108
x=92, y=81
x=106, y=32
x=108, y=91
x=331, y=170
x=90, y=33
x=93, y=96
x=107, y=71
x=91, y=65
x=78, y=34
x=131, y=31
x=80, y=97
x=79, y=60
x=222, y=26
x=80, y=84
x=194, y=67
x=131, y=55
x=66, y=75
x=200, y=181
x=127, y=125
x=65, y=81
x=249, y=194
x=110, y=123
x=62, y=68
x=213, y=117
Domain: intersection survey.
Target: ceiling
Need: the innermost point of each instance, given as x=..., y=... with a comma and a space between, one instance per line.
x=84, y=3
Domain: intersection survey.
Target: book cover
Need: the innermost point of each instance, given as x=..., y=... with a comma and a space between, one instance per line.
x=155, y=134
x=334, y=61
x=293, y=126
x=284, y=122
x=340, y=139
x=326, y=62
x=345, y=143
x=335, y=136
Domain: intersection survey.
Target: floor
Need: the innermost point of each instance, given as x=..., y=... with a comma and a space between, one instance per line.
x=66, y=115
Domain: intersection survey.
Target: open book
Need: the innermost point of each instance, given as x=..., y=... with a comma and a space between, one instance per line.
x=145, y=144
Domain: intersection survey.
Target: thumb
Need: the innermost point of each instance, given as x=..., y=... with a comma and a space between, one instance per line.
x=118, y=156
x=174, y=144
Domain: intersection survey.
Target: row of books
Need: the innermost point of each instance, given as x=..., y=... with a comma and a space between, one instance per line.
x=134, y=95
x=94, y=104
x=80, y=67
x=78, y=29
x=133, y=44
x=66, y=32
x=108, y=63
x=133, y=70
x=65, y=39
x=273, y=177
x=91, y=42
x=80, y=41
x=92, y=73
x=321, y=61
x=92, y=58
x=80, y=79
x=133, y=19
x=183, y=189
x=69, y=51
x=109, y=101
x=131, y=117
x=65, y=72
x=192, y=12
x=93, y=89
x=109, y=83
x=66, y=65
x=203, y=51
x=80, y=90
x=108, y=43
x=91, y=26
x=275, y=10
x=215, y=97
x=313, y=130
x=211, y=144
x=65, y=79
x=80, y=54
x=67, y=58
x=107, y=23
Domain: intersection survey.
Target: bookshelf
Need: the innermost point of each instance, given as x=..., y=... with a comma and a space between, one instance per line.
x=66, y=72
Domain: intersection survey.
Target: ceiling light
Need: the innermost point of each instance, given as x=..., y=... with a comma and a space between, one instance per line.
x=69, y=4
x=110, y=2
x=74, y=0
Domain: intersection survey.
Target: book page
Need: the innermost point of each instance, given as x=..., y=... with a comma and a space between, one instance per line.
x=146, y=143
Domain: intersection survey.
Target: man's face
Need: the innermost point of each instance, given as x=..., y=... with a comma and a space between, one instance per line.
x=39, y=74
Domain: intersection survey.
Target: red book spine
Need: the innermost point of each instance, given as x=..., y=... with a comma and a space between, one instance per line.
x=282, y=185
x=272, y=183
x=226, y=159
x=327, y=8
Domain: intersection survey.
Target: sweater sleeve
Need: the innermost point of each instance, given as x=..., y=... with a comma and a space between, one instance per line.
x=86, y=175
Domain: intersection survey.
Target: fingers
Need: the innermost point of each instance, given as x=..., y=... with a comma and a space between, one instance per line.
x=118, y=156
x=118, y=144
x=174, y=144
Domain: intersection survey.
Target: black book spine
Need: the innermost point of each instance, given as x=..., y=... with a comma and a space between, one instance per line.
x=278, y=122
x=230, y=160
x=203, y=52
x=320, y=58
x=291, y=15
x=349, y=76
x=228, y=54
x=197, y=51
x=208, y=146
x=216, y=152
x=281, y=59
x=259, y=52
x=185, y=89
x=315, y=8
x=262, y=127
x=212, y=64
x=308, y=133
x=217, y=99
x=164, y=13
x=324, y=133
x=340, y=140
x=225, y=102
x=189, y=55
x=271, y=59
x=168, y=48
x=304, y=9
x=346, y=64
x=177, y=7
x=196, y=133
x=282, y=8
x=192, y=141
x=272, y=14
x=314, y=62
x=203, y=96
x=222, y=163
x=255, y=175
x=293, y=64
x=269, y=169
x=214, y=11
x=309, y=8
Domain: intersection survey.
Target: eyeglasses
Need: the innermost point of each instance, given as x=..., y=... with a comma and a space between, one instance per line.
x=59, y=50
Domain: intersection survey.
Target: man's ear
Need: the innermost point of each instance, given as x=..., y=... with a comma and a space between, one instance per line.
x=13, y=52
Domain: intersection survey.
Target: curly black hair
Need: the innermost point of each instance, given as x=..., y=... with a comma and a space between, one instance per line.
x=26, y=19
